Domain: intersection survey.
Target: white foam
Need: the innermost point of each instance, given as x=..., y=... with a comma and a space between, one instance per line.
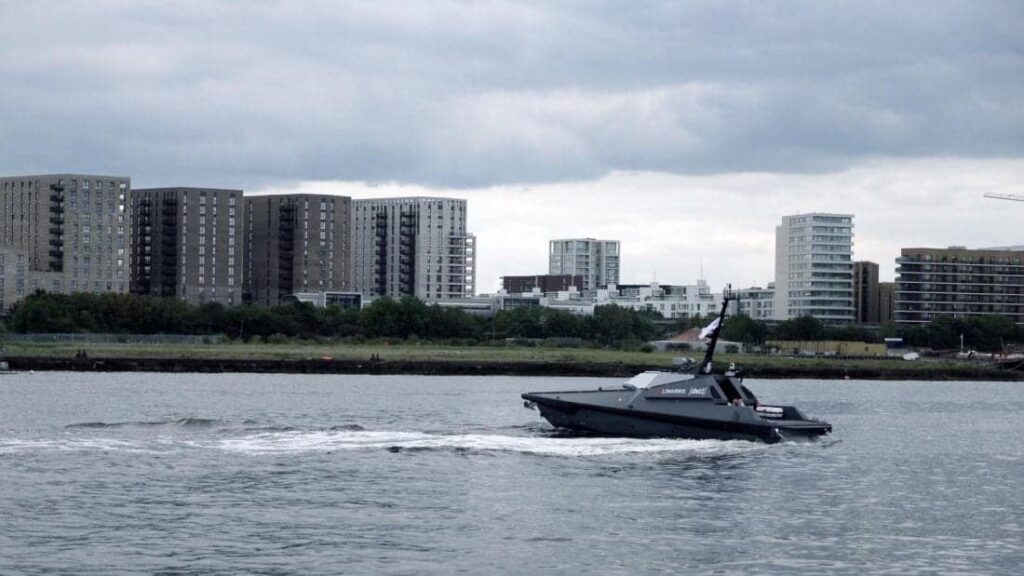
x=376, y=440
x=354, y=440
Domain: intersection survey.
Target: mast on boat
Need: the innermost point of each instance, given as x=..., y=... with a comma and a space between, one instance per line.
x=705, y=365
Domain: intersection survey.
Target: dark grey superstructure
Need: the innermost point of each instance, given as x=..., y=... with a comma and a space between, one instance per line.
x=672, y=404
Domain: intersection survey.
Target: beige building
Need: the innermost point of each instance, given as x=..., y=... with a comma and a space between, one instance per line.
x=957, y=282
x=187, y=242
x=828, y=348
x=296, y=243
x=66, y=233
x=415, y=246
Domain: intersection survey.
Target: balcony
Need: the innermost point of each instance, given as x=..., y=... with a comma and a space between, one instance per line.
x=57, y=254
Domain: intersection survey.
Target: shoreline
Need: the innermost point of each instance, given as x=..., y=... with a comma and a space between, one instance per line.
x=481, y=368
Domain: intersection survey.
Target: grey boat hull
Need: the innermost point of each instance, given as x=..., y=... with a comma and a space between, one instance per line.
x=674, y=410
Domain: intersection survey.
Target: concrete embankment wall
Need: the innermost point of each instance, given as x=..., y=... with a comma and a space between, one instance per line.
x=462, y=368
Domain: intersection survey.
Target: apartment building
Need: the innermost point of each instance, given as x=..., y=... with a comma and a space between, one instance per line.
x=814, y=268
x=958, y=282
x=597, y=261
x=296, y=243
x=755, y=302
x=670, y=300
x=13, y=276
x=886, y=302
x=64, y=233
x=187, y=243
x=865, y=291
x=415, y=246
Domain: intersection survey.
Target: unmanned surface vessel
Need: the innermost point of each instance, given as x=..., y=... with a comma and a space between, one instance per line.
x=700, y=406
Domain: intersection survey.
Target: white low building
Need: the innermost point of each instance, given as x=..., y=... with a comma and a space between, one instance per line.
x=756, y=302
x=671, y=301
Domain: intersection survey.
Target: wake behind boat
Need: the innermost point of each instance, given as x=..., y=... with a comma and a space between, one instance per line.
x=678, y=405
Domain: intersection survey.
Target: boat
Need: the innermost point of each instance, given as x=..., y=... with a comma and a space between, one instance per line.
x=672, y=404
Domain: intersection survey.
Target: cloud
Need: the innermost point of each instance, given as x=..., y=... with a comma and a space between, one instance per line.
x=470, y=94
x=671, y=226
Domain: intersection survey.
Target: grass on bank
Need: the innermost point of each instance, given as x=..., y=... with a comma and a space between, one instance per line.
x=420, y=351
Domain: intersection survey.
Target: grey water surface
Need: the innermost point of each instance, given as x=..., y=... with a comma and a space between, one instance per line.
x=292, y=474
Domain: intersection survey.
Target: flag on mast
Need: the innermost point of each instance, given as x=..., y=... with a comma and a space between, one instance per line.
x=709, y=329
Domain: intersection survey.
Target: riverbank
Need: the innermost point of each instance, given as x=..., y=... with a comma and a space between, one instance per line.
x=432, y=359
x=838, y=370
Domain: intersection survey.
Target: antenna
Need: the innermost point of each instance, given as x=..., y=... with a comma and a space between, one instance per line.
x=1004, y=196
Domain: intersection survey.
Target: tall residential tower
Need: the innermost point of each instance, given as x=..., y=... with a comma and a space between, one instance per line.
x=415, y=246
x=63, y=233
x=814, y=267
x=187, y=242
x=296, y=243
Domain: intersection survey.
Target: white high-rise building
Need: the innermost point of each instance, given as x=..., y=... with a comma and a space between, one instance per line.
x=814, y=267
x=596, y=260
x=415, y=246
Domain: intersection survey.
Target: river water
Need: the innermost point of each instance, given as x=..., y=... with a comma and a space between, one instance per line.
x=289, y=474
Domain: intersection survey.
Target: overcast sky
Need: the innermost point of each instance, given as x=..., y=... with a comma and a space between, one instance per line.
x=683, y=129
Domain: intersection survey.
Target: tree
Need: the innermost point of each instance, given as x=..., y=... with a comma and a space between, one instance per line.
x=524, y=322
x=743, y=328
x=612, y=323
x=802, y=328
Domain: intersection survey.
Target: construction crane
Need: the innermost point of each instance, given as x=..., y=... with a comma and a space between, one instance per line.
x=1004, y=196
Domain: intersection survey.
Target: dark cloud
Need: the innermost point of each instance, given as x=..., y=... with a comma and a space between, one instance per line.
x=464, y=93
